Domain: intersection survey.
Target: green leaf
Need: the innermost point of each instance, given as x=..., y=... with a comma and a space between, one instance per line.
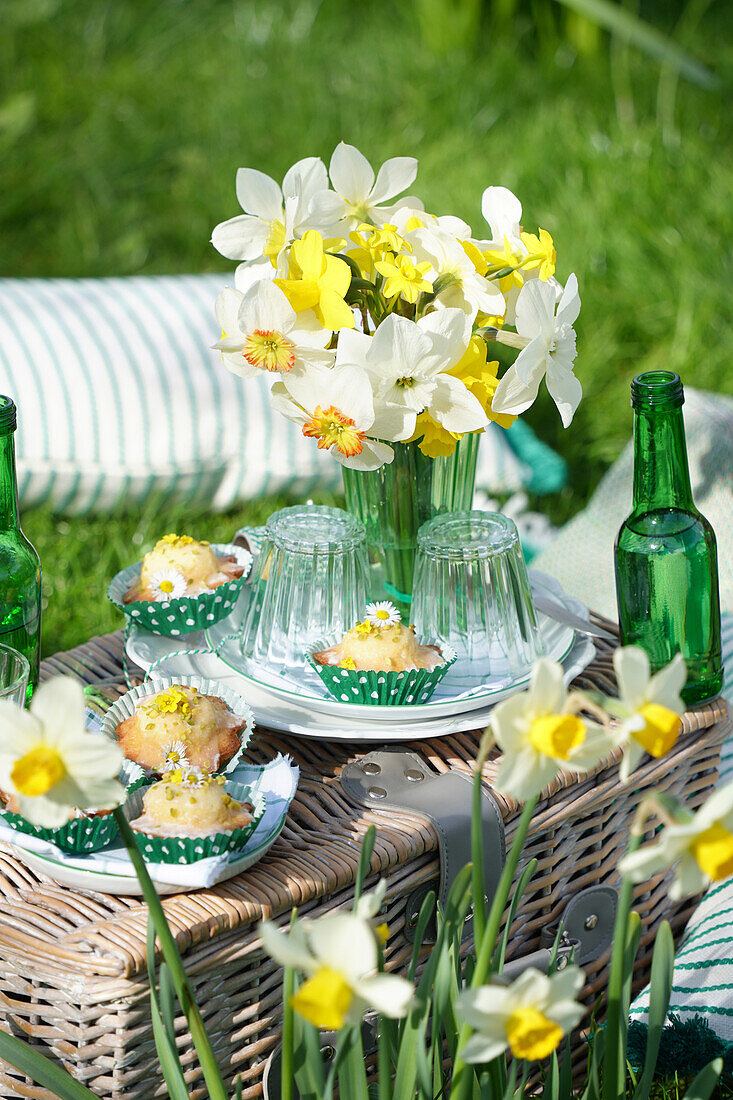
x=352, y=1072
x=307, y=1059
x=365, y=858
x=624, y=24
x=551, y=1091
x=705, y=1082
x=519, y=889
x=167, y=1054
x=20, y=1054
x=660, y=988
x=427, y=911
x=477, y=857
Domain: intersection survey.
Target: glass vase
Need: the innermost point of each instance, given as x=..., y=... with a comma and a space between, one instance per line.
x=394, y=501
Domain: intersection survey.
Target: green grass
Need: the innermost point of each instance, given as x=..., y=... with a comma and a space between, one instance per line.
x=122, y=124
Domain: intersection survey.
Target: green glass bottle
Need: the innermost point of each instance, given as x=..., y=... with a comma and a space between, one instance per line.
x=20, y=566
x=666, y=555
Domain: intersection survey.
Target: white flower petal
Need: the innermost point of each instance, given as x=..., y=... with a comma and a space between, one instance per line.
x=480, y=1048
x=287, y=949
x=253, y=270
x=305, y=179
x=344, y=942
x=265, y=307
x=392, y=422
x=547, y=687
x=665, y=686
x=90, y=758
x=43, y=811
x=389, y=994
x=351, y=173
x=569, y=306
x=631, y=665
x=241, y=238
x=394, y=177
x=483, y=1008
x=503, y=212
x=352, y=347
x=373, y=455
x=59, y=707
x=688, y=879
x=455, y=407
x=259, y=194
x=633, y=755
x=227, y=314
x=535, y=309
x=565, y=390
x=512, y=395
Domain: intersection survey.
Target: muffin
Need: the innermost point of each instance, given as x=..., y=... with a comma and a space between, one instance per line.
x=179, y=566
x=380, y=660
x=181, y=725
x=182, y=585
x=85, y=831
x=188, y=815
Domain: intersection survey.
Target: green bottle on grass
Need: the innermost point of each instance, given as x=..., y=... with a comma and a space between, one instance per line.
x=666, y=554
x=20, y=566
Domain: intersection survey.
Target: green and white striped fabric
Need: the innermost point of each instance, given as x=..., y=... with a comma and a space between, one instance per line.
x=120, y=396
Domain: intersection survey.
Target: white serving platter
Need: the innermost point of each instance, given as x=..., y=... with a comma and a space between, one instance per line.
x=303, y=707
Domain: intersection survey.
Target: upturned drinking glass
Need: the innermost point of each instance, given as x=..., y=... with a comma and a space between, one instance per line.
x=310, y=584
x=15, y=672
x=471, y=591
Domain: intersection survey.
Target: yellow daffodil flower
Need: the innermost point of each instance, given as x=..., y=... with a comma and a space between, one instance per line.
x=542, y=254
x=402, y=276
x=319, y=282
x=506, y=258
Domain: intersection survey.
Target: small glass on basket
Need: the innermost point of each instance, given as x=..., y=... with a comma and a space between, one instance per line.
x=14, y=674
x=310, y=582
x=471, y=592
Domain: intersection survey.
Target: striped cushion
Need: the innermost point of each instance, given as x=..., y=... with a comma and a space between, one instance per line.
x=120, y=396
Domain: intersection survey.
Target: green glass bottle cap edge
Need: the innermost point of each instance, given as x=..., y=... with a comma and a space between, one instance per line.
x=657, y=389
x=8, y=415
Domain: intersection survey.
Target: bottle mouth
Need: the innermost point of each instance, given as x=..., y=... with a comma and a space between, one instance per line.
x=8, y=415
x=657, y=389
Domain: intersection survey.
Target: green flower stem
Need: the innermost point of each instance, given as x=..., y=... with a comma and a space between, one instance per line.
x=614, y=1067
x=461, y=1085
x=286, y=1056
x=171, y=954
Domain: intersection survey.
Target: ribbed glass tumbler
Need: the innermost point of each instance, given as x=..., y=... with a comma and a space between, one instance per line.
x=14, y=673
x=310, y=584
x=471, y=591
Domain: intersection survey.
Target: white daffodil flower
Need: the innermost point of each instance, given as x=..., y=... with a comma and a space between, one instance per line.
x=549, y=352
x=262, y=332
x=274, y=216
x=530, y=1017
x=407, y=219
x=336, y=407
x=539, y=738
x=456, y=282
x=167, y=584
x=649, y=706
x=407, y=363
x=50, y=762
x=356, y=196
x=338, y=954
x=700, y=844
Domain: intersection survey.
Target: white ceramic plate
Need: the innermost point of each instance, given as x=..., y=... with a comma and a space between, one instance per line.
x=307, y=714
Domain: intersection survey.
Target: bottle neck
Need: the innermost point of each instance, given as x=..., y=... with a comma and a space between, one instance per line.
x=8, y=484
x=661, y=472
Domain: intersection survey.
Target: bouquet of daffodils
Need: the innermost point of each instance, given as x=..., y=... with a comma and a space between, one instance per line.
x=373, y=315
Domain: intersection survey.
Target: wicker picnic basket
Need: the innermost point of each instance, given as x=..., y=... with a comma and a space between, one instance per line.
x=72, y=965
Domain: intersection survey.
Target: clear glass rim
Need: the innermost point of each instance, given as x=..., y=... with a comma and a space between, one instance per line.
x=296, y=529
x=23, y=665
x=438, y=538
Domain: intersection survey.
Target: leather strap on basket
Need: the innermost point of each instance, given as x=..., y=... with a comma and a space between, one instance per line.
x=386, y=780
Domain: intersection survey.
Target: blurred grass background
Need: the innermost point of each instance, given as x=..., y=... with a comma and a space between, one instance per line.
x=122, y=123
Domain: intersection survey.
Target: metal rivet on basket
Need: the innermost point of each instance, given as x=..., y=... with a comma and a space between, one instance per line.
x=327, y=1053
x=562, y=962
x=377, y=792
x=414, y=775
x=591, y=921
x=371, y=768
x=412, y=920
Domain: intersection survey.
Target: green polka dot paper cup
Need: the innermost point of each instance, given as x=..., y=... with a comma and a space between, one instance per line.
x=190, y=849
x=78, y=837
x=185, y=614
x=125, y=706
x=381, y=689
